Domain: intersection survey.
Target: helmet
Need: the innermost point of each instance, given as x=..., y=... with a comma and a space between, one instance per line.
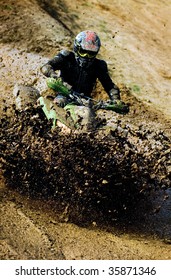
x=86, y=46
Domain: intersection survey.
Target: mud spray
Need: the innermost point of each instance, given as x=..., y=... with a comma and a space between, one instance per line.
x=108, y=179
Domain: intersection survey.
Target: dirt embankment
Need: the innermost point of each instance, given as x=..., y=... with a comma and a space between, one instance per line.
x=39, y=221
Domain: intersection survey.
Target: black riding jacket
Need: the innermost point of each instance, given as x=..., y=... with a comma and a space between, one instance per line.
x=81, y=79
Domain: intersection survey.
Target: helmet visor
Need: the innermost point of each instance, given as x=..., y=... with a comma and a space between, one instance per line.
x=86, y=53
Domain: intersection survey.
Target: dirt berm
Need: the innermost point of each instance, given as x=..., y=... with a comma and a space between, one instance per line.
x=95, y=195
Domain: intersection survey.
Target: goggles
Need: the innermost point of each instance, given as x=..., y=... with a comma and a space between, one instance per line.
x=85, y=53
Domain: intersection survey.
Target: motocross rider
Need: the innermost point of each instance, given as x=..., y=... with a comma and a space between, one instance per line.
x=80, y=68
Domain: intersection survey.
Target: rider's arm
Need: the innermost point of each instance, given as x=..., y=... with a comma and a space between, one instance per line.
x=103, y=76
x=49, y=68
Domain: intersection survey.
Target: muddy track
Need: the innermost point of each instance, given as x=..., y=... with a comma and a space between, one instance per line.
x=59, y=193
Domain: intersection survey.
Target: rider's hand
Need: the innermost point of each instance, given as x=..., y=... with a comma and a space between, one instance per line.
x=114, y=93
x=54, y=75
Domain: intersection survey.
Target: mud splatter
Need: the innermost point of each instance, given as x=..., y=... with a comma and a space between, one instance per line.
x=85, y=172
